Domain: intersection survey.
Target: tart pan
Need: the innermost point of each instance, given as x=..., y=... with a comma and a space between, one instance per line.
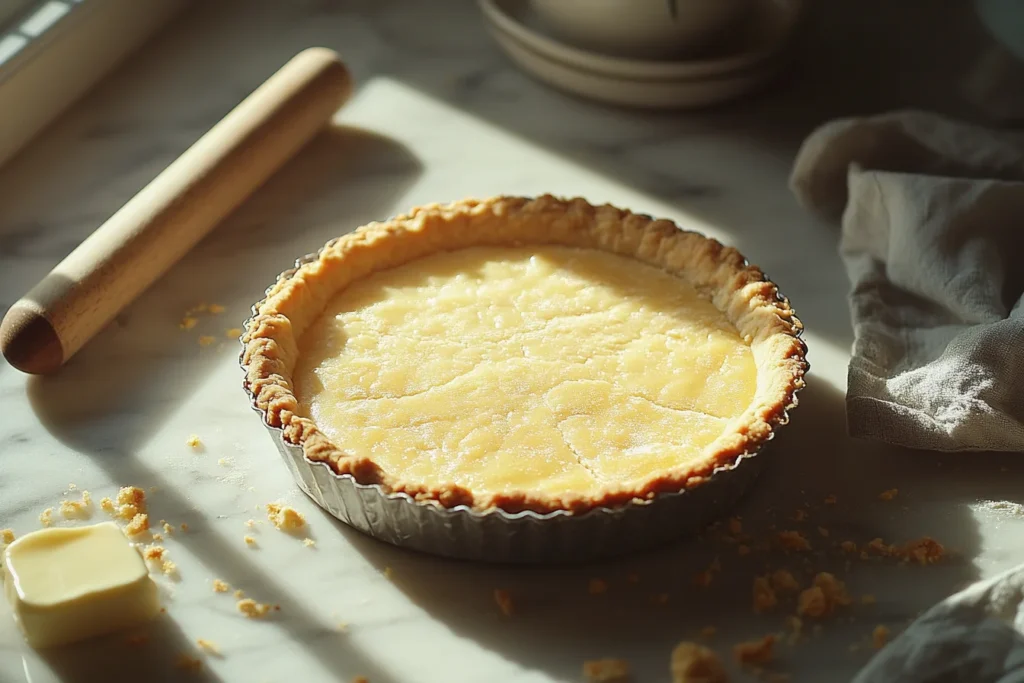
x=525, y=537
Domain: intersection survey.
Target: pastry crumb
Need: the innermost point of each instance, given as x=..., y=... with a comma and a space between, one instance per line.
x=221, y=586
x=388, y=573
x=794, y=540
x=154, y=553
x=755, y=651
x=168, y=529
x=215, y=309
x=139, y=524
x=206, y=339
x=239, y=594
x=250, y=523
x=184, y=527
x=924, y=550
x=694, y=663
x=169, y=568
x=131, y=501
x=888, y=495
x=309, y=542
x=833, y=589
x=75, y=509
x=848, y=547
x=879, y=547
x=764, y=596
x=823, y=532
x=233, y=332
x=811, y=603
x=46, y=517
x=223, y=462
x=879, y=637
x=597, y=586
x=252, y=609
x=249, y=541
x=7, y=535
x=504, y=600
x=188, y=663
x=284, y=517
x=194, y=442
x=208, y=646
x=188, y=322
x=156, y=536
x=783, y=581
x=107, y=505
x=606, y=671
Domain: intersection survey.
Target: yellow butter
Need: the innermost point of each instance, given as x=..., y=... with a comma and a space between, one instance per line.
x=66, y=585
x=524, y=368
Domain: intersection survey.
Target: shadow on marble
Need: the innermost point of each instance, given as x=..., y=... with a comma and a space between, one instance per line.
x=156, y=652
x=652, y=601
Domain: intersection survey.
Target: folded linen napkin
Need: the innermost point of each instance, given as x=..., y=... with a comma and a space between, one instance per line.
x=932, y=218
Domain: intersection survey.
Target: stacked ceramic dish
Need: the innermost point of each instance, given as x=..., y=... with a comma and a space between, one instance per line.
x=648, y=53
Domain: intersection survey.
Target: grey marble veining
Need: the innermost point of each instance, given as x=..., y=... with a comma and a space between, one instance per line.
x=440, y=114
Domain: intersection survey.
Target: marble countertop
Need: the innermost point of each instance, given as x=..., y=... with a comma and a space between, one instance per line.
x=440, y=114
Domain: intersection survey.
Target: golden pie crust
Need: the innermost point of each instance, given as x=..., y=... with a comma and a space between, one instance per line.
x=740, y=291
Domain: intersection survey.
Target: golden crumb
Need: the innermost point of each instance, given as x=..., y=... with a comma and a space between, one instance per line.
x=284, y=517
x=794, y=540
x=606, y=671
x=72, y=486
x=193, y=442
x=184, y=526
x=924, y=550
x=309, y=542
x=783, y=581
x=221, y=586
x=156, y=537
x=188, y=663
x=250, y=523
x=504, y=600
x=833, y=589
x=136, y=640
x=154, y=553
x=888, y=495
x=169, y=568
x=188, y=322
x=252, y=609
x=812, y=603
x=831, y=499
x=198, y=308
x=755, y=651
x=46, y=517
x=632, y=577
x=704, y=578
x=867, y=599
x=206, y=339
x=694, y=663
x=879, y=547
x=742, y=550
x=597, y=586
x=800, y=516
x=879, y=637
x=215, y=309
x=139, y=524
x=86, y=498
x=249, y=540
x=764, y=596
x=388, y=573
x=208, y=646
x=823, y=532
x=735, y=526
x=848, y=547
x=7, y=535
x=708, y=632
x=131, y=501
x=107, y=505
x=75, y=509
x=239, y=594
x=233, y=332
x=168, y=529
x=223, y=462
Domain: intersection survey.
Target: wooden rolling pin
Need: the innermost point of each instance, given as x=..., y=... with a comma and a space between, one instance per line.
x=169, y=216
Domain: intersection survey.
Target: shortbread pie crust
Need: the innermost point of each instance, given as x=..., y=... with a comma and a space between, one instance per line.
x=762, y=318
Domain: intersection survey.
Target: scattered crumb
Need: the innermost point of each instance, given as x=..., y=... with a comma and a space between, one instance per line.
x=742, y=550
x=188, y=663
x=867, y=599
x=131, y=501
x=250, y=523
x=107, y=505
x=249, y=540
x=168, y=529
x=879, y=637
x=223, y=462
x=831, y=499
x=46, y=517
x=156, y=537
x=755, y=651
x=215, y=309
x=597, y=586
x=139, y=523
x=233, y=332
x=633, y=578
x=888, y=495
x=879, y=547
x=284, y=517
x=239, y=594
x=309, y=542
x=206, y=340
x=833, y=588
x=703, y=579
x=184, y=526
x=823, y=597
x=794, y=540
x=208, y=646
x=154, y=553
x=72, y=486
x=198, y=308
x=221, y=586
x=194, y=442
x=812, y=603
x=694, y=663
x=784, y=582
x=764, y=596
x=924, y=551
x=136, y=640
x=708, y=632
x=169, y=568
x=7, y=535
x=606, y=671
x=77, y=509
x=188, y=322
x=388, y=573
x=735, y=526
x=823, y=532
x=848, y=547
x=504, y=600
x=253, y=609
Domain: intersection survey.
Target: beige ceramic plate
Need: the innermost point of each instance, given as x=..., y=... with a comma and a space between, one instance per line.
x=760, y=54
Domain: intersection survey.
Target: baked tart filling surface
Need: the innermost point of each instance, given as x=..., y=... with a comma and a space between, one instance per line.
x=525, y=354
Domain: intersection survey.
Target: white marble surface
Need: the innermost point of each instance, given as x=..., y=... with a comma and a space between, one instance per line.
x=440, y=114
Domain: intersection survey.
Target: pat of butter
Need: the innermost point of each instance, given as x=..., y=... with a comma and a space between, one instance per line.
x=66, y=585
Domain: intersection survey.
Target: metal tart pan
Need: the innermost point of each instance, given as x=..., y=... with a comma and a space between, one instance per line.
x=521, y=538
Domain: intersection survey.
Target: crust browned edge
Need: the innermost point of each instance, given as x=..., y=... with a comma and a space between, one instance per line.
x=740, y=290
